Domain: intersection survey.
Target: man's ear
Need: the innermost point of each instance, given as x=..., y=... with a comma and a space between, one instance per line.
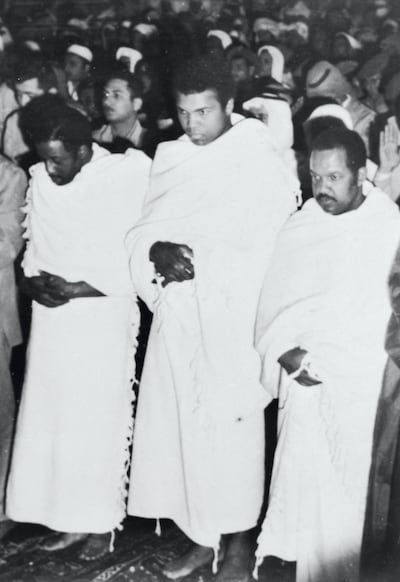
x=137, y=104
x=361, y=176
x=229, y=107
x=84, y=152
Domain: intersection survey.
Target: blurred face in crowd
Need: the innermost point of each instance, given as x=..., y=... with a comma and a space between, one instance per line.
x=336, y=188
x=62, y=165
x=119, y=103
x=214, y=45
x=202, y=116
x=340, y=49
x=76, y=68
x=27, y=90
x=264, y=64
x=240, y=70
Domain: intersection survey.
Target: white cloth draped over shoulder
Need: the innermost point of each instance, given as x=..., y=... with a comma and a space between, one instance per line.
x=198, y=445
x=75, y=421
x=326, y=291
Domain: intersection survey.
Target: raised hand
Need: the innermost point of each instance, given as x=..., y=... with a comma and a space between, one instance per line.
x=389, y=140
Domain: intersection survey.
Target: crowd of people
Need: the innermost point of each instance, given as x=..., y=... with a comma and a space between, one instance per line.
x=232, y=168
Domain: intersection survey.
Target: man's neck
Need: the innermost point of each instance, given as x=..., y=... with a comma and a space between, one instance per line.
x=125, y=127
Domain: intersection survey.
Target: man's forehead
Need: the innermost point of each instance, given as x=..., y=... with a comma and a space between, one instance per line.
x=53, y=148
x=328, y=159
x=25, y=84
x=116, y=84
x=193, y=101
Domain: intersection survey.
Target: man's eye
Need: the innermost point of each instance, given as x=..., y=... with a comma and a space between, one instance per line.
x=333, y=178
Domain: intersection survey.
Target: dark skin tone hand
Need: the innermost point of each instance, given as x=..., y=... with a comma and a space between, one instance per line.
x=52, y=291
x=172, y=261
x=291, y=361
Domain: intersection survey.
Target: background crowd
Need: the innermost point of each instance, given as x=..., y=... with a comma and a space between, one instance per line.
x=306, y=53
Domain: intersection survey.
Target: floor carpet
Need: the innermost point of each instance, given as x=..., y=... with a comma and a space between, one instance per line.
x=138, y=556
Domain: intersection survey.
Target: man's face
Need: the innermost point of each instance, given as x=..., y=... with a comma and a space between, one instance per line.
x=202, y=116
x=334, y=185
x=340, y=48
x=61, y=165
x=76, y=68
x=264, y=64
x=118, y=102
x=240, y=70
x=27, y=90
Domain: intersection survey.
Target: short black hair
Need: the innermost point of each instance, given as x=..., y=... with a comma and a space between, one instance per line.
x=203, y=73
x=313, y=127
x=348, y=141
x=130, y=79
x=35, y=68
x=236, y=52
x=49, y=118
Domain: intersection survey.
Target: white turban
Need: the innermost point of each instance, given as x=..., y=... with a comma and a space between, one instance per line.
x=81, y=51
x=222, y=36
x=146, y=29
x=333, y=110
x=131, y=54
x=278, y=61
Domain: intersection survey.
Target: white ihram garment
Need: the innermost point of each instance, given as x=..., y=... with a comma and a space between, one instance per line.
x=326, y=291
x=198, y=455
x=75, y=421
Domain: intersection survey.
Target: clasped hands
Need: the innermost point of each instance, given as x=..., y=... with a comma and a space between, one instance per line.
x=291, y=361
x=47, y=289
x=52, y=291
x=173, y=262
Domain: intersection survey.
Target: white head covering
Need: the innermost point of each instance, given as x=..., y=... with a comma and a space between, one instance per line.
x=222, y=36
x=279, y=117
x=78, y=23
x=146, y=29
x=81, y=51
x=32, y=45
x=353, y=42
x=333, y=110
x=278, y=61
x=266, y=24
x=131, y=54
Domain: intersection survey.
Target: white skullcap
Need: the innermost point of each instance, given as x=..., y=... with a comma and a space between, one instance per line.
x=353, y=42
x=78, y=23
x=33, y=46
x=222, y=36
x=279, y=118
x=266, y=24
x=146, y=29
x=333, y=110
x=278, y=61
x=131, y=54
x=81, y=51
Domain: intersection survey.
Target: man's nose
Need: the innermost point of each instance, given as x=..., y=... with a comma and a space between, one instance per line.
x=192, y=121
x=49, y=167
x=324, y=185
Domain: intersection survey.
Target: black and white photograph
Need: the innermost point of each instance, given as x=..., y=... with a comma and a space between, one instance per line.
x=200, y=290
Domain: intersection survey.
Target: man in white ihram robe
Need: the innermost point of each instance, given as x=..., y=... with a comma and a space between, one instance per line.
x=71, y=455
x=326, y=298
x=198, y=453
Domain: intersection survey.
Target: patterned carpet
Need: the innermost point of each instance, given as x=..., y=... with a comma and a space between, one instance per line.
x=138, y=557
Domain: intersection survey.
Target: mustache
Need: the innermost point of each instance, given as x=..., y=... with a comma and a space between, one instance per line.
x=322, y=195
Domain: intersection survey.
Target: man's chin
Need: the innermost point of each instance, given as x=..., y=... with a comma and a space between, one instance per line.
x=57, y=180
x=198, y=140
